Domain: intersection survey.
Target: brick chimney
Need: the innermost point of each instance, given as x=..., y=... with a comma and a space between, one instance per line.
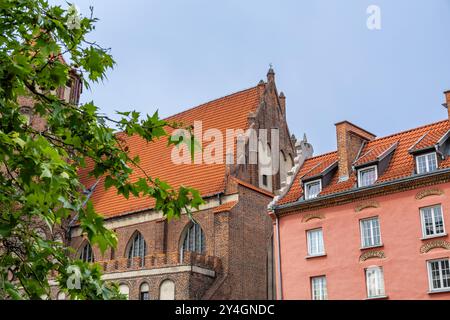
x=447, y=102
x=349, y=140
x=282, y=99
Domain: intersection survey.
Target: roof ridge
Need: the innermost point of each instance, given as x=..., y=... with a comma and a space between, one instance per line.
x=207, y=102
x=386, y=137
x=322, y=155
x=410, y=130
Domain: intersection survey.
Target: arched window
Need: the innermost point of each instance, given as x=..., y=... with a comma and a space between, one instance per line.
x=86, y=253
x=194, y=239
x=167, y=290
x=144, y=292
x=137, y=246
x=125, y=290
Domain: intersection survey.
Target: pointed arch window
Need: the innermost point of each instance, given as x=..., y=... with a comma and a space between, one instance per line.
x=137, y=248
x=194, y=239
x=86, y=253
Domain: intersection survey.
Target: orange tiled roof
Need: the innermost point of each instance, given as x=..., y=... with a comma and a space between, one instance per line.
x=250, y=186
x=401, y=164
x=229, y=112
x=374, y=153
x=225, y=207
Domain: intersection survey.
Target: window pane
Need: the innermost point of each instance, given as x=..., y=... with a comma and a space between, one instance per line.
x=367, y=177
x=426, y=162
x=432, y=221
x=371, y=235
x=312, y=189
x=194, y=240
x=375, y=282
x=319, y=288
x=421, y=164
x=315, y=242
x=432, y=163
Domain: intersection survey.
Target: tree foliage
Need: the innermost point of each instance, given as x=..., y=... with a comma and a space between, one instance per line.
x=39, y=182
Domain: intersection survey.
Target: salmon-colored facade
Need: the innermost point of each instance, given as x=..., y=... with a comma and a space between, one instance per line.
x=369, y=220
x=404, y=266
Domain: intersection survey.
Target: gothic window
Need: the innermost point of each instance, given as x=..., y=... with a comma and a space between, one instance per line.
x=194, y=239
x=137, y=247
x=86, y=253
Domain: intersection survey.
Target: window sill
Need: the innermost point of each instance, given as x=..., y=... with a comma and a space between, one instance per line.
x=434, y=236
x=372, y=247
x=316, y=256
x=378, y=298
x=438, y=291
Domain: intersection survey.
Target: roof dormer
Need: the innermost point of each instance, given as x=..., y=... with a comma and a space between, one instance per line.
x=373, y=163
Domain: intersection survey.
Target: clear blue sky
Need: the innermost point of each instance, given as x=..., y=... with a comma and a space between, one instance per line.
x=173, y=55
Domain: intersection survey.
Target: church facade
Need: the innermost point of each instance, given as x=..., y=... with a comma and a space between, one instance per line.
x=227, y=252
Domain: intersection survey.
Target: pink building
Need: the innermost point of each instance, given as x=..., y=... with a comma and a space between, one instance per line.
x=368, y=221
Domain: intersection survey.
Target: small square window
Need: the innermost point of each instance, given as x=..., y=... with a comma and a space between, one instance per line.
x=264, y=179
x=432, y=221
x=367, y=176
x=439, y=275
x=319, y=288
x=426, y=162
x=315, y=242
x=312, y=189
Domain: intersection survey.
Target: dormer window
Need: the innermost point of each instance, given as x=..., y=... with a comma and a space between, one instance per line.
x=312, y=189
x=426, y=162
x=367, y=176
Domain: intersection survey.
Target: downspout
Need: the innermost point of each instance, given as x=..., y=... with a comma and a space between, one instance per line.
x=280, y=285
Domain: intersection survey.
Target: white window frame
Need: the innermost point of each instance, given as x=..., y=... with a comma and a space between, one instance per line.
x=365, y=169
x=362, y=233
x=427, y=165
x=323, y=290
x=381, y=286
x=307, y=197
x=308, y=241
x=430, y=278
x=422, y=219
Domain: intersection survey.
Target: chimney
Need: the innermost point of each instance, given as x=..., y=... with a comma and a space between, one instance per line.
x=282, y=99
x=447, y=102
x=349, y=141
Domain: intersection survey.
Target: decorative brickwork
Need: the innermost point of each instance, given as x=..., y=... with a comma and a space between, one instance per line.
x=434, y=244
x=372, y=254
x=366, y=205
x=429, y=192
x=310, y=216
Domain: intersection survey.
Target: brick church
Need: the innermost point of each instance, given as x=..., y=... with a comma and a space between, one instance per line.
x=227, y=253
